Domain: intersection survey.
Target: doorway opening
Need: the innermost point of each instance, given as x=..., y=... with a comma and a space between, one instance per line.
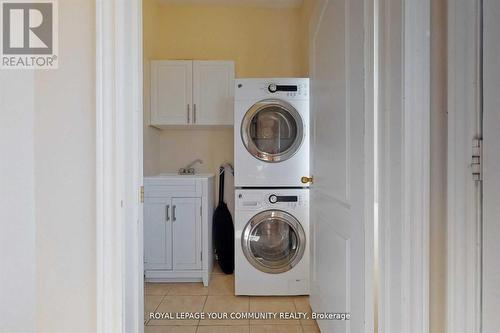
x=343, y=171
x=193, y=53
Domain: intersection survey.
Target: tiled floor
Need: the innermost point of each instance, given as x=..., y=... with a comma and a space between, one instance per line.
x=219, y=297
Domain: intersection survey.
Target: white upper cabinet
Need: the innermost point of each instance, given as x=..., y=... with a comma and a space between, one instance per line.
x=213, y=92
x=186, y=92
x=171, y=92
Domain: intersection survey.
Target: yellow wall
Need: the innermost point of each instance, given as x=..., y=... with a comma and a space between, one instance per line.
x=263, y=42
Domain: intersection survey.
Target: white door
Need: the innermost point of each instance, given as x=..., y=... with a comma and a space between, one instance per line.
x=213, y=92
x=186, y=233
x=171, y=92
x=491, y=167
x=338, y=165
x=157, y=233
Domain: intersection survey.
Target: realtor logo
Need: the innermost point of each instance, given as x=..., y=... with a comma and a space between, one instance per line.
x=29, y=34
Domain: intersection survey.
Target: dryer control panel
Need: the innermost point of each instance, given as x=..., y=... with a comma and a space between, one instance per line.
x=291, y=90
x=285, y=88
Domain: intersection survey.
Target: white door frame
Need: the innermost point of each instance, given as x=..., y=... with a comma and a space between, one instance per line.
x=119, y=166
x=463, y=222
x=404, y=173
x=404, y=165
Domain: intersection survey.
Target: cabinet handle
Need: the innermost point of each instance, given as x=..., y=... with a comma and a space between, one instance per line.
x=167, y=207
x=173, y=213
x=194, y=113
x=188, y=113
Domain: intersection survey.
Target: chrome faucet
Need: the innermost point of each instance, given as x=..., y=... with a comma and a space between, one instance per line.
x=188, y=169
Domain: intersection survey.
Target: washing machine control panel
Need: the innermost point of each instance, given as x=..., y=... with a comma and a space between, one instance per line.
x=284, y=200
x=273, y=198
x=270, y=200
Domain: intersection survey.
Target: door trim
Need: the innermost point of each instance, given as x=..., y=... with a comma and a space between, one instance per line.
x=463, y=225
x=404, y=165
x=119, y=119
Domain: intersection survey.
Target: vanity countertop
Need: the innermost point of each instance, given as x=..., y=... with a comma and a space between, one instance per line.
x=176, y=175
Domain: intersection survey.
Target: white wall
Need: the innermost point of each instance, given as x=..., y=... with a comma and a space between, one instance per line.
x=17, y=211
x=47, y=186
x=64, y=136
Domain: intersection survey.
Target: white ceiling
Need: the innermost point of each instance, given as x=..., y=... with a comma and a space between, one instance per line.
x=257, y=3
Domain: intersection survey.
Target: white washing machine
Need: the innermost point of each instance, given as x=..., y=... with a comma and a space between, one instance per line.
x=271, y=134
x=272, y=242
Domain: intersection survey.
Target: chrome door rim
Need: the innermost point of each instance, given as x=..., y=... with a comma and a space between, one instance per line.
x=249, y=143
x=291, y=221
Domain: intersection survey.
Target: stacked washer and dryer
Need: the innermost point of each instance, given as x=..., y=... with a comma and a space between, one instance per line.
x=272, y=186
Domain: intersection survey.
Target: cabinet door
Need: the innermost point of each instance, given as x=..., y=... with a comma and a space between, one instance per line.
x=171, y=92
x=157, y=233
x=213, y=89
x=186, y=231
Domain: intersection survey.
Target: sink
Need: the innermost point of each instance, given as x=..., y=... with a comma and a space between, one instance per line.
x=176, y=175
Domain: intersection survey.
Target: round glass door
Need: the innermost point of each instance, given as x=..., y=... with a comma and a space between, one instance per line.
x=272, y=130
x=273, y=241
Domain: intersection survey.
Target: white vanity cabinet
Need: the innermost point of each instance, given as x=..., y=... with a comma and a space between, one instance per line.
x=192, y=92
x=178, y=228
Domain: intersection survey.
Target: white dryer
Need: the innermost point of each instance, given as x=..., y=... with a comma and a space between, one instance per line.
x=271, y=135
x=272, y=242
